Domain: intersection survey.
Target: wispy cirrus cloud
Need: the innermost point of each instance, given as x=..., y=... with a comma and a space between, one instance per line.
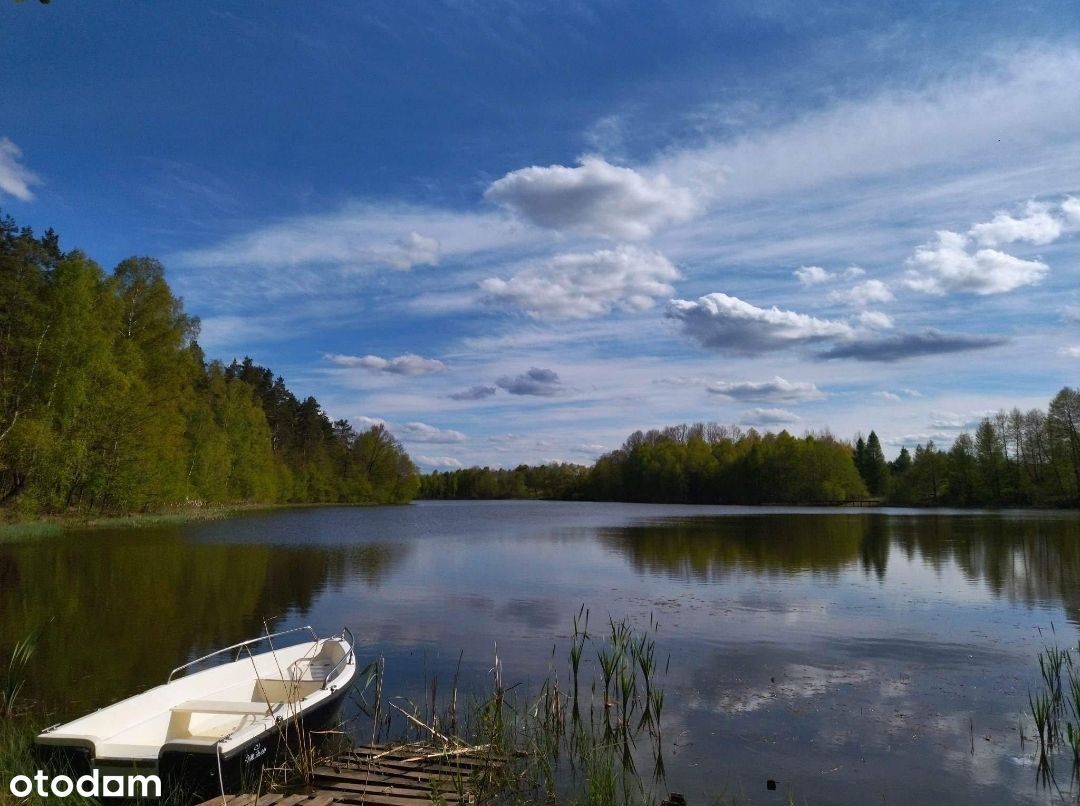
x=15, y=178
x=594, y=197
x=774, y=390
x=584, y=285
x=408, y=364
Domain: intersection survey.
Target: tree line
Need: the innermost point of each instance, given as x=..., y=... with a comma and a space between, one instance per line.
x=108, y=404
x=1013, y=458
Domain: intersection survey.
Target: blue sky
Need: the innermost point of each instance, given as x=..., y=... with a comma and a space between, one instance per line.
x=519, y=231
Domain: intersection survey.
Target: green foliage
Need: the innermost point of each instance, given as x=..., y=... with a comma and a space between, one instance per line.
x=107, y=404
x=698, y=464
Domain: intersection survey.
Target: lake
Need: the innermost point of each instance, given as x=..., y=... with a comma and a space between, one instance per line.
x=853, y=656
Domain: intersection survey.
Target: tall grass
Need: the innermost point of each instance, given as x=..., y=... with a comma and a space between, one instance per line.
x=589, y=733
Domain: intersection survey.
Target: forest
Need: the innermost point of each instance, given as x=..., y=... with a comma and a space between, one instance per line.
x=108, y=405
x=1014, y=458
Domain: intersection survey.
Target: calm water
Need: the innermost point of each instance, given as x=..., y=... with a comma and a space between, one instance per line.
x=849, y=655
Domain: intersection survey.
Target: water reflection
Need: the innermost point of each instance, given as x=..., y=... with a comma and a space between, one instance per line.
x=1033, y=559
x=851, y=654
x=117, y=611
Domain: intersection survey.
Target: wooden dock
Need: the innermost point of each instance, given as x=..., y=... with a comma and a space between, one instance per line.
x=382, y=776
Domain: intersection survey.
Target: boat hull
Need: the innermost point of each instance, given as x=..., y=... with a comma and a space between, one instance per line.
x=192, y=776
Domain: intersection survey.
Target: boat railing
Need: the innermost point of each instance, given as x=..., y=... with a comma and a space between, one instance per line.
x=241, y=645
x=344, y=658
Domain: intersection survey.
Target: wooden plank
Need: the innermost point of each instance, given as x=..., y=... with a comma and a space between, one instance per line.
x=397, y=771
x=374, y=798
x=320, y=799
x=268, y=800
x=381, y=780
x=450, y=766
x=291, y=800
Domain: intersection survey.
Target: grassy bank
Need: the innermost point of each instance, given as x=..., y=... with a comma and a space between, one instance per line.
x=15, y=528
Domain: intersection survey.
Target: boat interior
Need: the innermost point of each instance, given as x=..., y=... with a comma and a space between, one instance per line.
x=200, y=709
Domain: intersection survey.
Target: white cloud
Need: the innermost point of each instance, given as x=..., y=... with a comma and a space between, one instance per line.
x=538, y=382
x=815, y=275
x=408, y=364
x=439, y=462
x=578, y=286
x=864, y=293
x=770, y=417
x=360, y=236
x=728, y=324
x=875, y=320
x=363, y=423
x=884, y=395
x=596, y=198
x=812, y=275
x=15, y=178
x=1071, y=314
x=1071, y=208
x=1071, y=351
x=412, y=250
x=1033, y=95
x=946, y=265
x=422, y=432
x=765, y=391
x=1037, y=226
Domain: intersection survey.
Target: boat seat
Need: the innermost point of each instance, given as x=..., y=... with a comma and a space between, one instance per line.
x=106, y=751
x=222, y=707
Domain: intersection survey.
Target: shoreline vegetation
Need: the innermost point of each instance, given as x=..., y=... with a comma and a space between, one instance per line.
x=111, y=414
x=109, y=407
x=1014, y=459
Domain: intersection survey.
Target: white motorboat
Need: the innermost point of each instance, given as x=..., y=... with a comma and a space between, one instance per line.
x=215, y=727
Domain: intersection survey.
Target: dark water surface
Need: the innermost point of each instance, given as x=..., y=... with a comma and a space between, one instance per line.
x=852, y=656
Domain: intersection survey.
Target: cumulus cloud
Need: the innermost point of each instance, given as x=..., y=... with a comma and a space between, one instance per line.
x=868, y=292
x=1072, y=351
x=885, y=394
x=412, y=250
x=770, y=417
x=579, y=286
x=473, y=393
x=875, y=320
x=363, y=423
x=1071, y=209
x=946, y=265
x=15, y=178
x=910, y=345
x=728, y=324
x=1037, y=226
x=766, y=391
x=812, y=275
x=439, y=462
x=408, y=364
x=422, y=432
x=596, y=198
x=815, y=275
x=538, y=382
